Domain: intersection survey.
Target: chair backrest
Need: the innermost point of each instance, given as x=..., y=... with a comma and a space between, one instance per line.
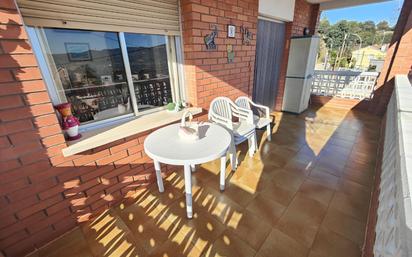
x=222, y=109
x=243, y=101
x=221, y=106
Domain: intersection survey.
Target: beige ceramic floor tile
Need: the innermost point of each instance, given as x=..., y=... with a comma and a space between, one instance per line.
x=278, y=194
x=234, y=192
x=300, y=166
x=228, y=245
x=279, y=244
x=109, y=236
x=217, y=204
x=349, y=205
x=302, y=219
x=72, y=244
x=345, y=225
x=172, y=249
x=317, y=191
x=355, y=190
x=250, y=228
x=287, y=180
x=266, y=209
x=329, y=243
x=200, y=231
x=324, y=177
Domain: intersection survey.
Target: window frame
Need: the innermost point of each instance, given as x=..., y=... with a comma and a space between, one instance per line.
x=175, y=65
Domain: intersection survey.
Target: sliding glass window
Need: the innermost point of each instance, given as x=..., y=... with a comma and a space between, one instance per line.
x=149, y=67
x=106, y=75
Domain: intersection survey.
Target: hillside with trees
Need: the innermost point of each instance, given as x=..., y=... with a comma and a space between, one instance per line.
x=356, y=33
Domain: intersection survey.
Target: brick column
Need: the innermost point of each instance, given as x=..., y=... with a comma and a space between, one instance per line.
x=398, y=60
x=208, y=73
x=29, y=133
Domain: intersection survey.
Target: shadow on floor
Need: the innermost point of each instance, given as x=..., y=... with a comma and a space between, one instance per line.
x=305, y=193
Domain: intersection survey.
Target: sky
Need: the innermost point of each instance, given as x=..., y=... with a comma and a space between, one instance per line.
x=376, y=12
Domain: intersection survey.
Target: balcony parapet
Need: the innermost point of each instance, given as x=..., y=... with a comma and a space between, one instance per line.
x=394, y=223
x=344, y=84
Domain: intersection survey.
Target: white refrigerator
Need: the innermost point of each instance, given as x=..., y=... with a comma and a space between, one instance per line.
x=301, y=66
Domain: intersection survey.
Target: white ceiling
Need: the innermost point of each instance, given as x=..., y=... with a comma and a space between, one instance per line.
x=334, y=4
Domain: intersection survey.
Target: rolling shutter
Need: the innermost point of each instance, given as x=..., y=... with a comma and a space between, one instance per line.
x=138, y=16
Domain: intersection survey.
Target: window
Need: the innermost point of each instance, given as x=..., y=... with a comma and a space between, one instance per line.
x=149, y=67
x=89, y=73
x=107, y=75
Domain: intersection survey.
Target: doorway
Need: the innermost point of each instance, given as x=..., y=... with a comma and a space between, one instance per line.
x=269, y=53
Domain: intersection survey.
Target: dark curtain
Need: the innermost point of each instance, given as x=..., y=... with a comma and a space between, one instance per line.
x=269, y=51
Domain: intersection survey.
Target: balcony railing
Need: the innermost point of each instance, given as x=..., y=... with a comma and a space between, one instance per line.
x=344, y=84
x=394, y=224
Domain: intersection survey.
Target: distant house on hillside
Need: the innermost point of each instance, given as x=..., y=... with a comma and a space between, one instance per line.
x=368, y=58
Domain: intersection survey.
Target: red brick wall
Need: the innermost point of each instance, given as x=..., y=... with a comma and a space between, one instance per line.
x=398, y=60
x=208, y=73
x=42, y=193
x=306, y=16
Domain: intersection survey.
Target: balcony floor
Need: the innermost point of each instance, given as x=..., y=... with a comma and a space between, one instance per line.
x=306, y=193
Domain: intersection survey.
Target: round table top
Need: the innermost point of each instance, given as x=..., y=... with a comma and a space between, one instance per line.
x=165, y=145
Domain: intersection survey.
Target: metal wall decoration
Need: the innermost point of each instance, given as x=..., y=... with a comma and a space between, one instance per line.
x=246, y=35
x=231, y=31
x=230, y=53
x=210, y=39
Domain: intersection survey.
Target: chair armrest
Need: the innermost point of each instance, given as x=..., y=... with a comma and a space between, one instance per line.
x=244, y=114
x=221, y=120
x=265, y=108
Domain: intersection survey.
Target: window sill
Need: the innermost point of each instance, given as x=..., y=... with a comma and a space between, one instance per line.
x=102, y=136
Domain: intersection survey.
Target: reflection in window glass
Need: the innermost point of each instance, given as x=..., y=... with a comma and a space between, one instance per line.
x=149, y=67
x=90, y=73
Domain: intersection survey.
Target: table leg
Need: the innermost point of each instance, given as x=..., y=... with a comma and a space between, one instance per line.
x=193, y=167
x=159, y=176
x=222, y=172
x=188, y=189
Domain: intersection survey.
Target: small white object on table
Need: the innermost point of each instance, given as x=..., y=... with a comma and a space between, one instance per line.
x=165, y=146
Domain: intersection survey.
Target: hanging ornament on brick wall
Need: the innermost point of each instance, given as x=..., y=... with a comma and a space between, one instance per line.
x=247, y=36
x=230, y=53
x=210, y=39
x=231, y=31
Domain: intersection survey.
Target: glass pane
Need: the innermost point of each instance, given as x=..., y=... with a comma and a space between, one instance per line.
x=150, y=72
x=91, y=73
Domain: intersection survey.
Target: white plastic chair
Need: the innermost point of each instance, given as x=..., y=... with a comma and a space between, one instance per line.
x=221, y=111
x=260, y=122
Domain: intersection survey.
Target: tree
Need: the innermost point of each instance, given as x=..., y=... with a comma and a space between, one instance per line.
x=324, y=25
x=383, y=26
x=369, y=32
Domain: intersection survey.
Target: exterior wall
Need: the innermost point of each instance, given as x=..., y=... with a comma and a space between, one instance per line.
x=208, y=73
x=306, y=15
x=42, y=193
x=398, y=60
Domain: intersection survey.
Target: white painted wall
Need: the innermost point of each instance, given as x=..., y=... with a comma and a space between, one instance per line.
x=277, y=9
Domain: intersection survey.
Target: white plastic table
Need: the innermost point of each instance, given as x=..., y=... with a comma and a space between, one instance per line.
x=165, y=146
